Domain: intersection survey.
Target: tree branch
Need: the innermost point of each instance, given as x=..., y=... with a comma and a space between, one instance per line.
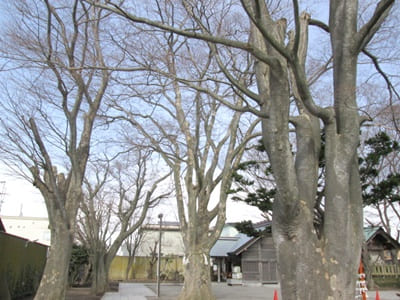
x=391, y=89
x=256, y=17
x=371, y=27
x=188, y=32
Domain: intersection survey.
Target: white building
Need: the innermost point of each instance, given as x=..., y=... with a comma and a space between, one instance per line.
x=32, y=228
x=171, y=241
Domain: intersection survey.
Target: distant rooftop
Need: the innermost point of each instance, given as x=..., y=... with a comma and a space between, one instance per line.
x=170, y=225
x=24, y=218
x=224, y=246
x=370, y=231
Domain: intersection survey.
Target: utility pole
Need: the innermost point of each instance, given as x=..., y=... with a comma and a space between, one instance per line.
x=159, y=257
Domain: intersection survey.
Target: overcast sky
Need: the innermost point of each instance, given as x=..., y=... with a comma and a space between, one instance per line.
x=17, y=194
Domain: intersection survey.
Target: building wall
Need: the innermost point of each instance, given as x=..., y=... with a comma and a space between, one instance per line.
x=172, y=251
x=171, y=268
x=21, y=266
x=31, y=228
x=259, y=262
x=171, y=243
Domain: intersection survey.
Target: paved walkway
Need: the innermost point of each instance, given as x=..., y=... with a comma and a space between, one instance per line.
x=141, y=291
x=130, y=291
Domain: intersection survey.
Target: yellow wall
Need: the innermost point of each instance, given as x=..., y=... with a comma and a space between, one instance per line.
x=21, y=264
x=171, y=268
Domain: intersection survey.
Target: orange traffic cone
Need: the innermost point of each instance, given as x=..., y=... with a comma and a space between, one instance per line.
x=275, y=295
x=377, y=296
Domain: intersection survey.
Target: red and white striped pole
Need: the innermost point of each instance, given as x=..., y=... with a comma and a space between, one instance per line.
x=361, y=284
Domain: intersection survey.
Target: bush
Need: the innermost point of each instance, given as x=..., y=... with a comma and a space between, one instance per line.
x=79, y=266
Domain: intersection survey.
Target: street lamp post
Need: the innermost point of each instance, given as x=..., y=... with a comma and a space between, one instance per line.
x=159, y=258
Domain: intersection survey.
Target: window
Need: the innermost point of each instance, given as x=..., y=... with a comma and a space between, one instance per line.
x=387, y=255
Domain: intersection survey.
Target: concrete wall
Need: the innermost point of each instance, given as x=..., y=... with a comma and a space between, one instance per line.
x=21, y=266
x=171, y=243
x=171, y=268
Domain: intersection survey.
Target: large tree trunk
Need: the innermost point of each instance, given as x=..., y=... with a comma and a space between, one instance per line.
x=62, y=205
x=55, y=276
x=99, y=273
x=331, y=262
x=326, y=258
x=197, y=284
x=197, y=272
x=306, y=257
x=102, y=259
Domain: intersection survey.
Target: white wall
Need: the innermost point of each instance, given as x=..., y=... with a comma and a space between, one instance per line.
x=171, y=243
x=32, y=228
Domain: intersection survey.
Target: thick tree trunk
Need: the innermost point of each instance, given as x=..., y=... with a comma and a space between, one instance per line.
x=55, y=276
x=344, y=220
x=313, y=265
x=99, y=274
x=305, y=261
x=330, y=258
x=102, y=259
x=197, y=284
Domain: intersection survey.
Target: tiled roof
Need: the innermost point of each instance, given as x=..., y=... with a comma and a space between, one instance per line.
x=226, y=245
x=376, y=231
x=370, y=231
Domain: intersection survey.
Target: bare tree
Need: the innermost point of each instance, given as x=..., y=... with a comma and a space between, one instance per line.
x=152, y=260
x=50, y=101
x=311, y=265
x=132, y=244
x=116, y=204
x=200, y=140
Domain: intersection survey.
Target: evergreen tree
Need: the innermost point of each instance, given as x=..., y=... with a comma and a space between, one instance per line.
x=378, y=183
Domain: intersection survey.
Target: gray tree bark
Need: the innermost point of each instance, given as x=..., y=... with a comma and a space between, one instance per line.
x=330, y=258
x=197, y=275
x=59, y=254
x=101, y=266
